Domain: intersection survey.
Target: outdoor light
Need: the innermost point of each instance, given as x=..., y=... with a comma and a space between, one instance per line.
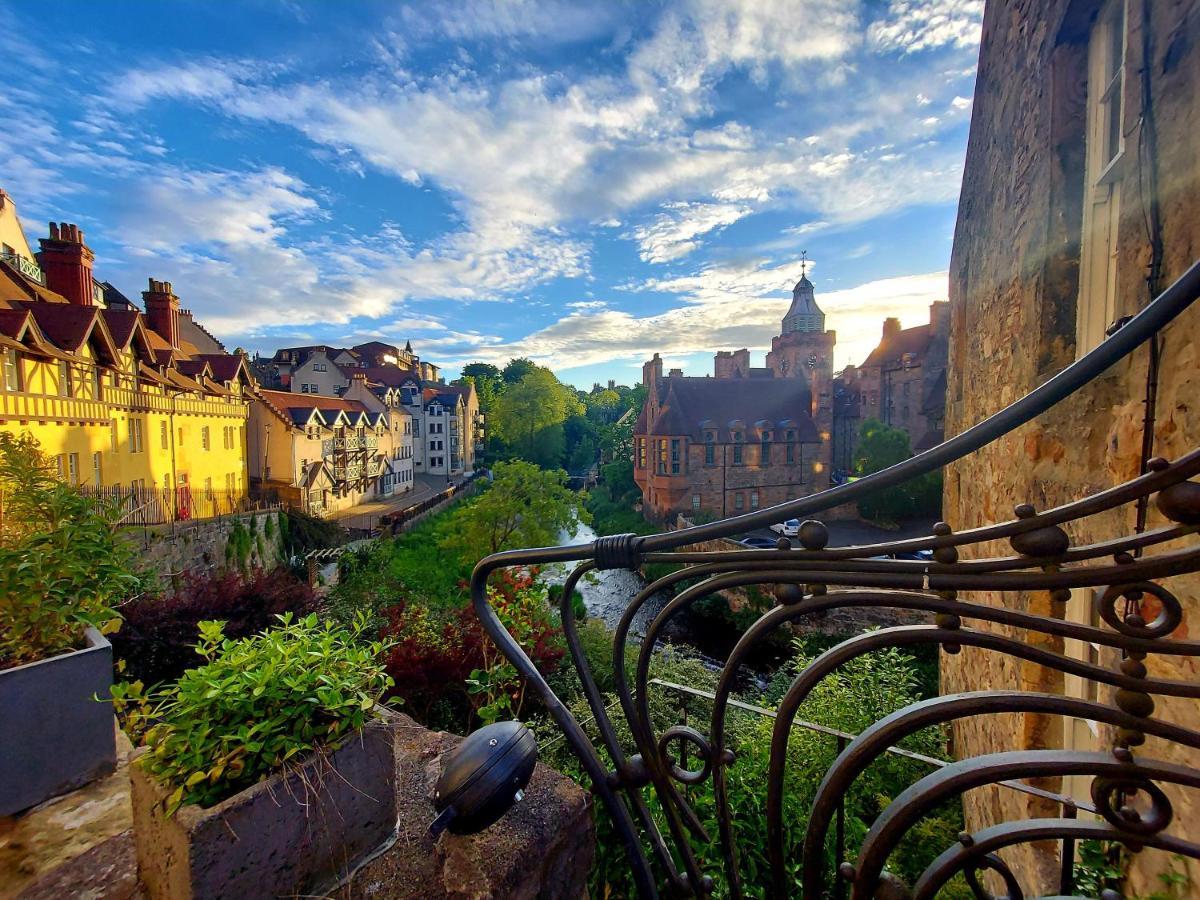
x=483, y=777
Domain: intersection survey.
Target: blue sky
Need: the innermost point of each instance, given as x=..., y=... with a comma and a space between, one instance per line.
x=582, y=183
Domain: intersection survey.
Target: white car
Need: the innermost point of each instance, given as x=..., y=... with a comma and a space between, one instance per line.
x=790, y=528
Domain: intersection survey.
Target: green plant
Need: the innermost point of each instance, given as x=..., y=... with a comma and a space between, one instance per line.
x=523, y=507
x=63, y=563
x=255, y=705
x=849, y=699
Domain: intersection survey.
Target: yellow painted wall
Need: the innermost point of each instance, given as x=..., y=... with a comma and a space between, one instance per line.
x=90, y=431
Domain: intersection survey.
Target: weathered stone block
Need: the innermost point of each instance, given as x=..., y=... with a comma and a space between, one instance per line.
x=543, y=847
x=295, y=833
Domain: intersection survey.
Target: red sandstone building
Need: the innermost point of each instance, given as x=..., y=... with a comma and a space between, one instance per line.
x=902, y=383
x=746, y=437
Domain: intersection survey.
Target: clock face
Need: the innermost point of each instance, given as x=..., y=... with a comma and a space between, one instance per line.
x=812, y=361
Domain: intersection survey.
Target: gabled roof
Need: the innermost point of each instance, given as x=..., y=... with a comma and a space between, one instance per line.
x=70, y=327
x=193, y=367
x=227, y=366
x=691, y=406
x=122, y=324
x=67, y=325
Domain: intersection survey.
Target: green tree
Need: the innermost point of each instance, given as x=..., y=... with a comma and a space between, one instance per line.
x=604, y=406
x=478, y=370
x=881, y=446
x=529, y=415
x=582, y=442
x=524, y=506
x=487, y=381
x=517, y=369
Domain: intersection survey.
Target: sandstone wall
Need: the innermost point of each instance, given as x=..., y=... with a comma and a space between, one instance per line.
x=204, y=546
x=1014, y=280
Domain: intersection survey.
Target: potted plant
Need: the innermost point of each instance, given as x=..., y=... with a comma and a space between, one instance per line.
x=63, y=568
x=267, y=770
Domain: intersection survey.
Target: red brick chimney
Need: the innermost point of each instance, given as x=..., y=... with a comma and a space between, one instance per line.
x=162, y=311
x=891, y=327
x=67, y=263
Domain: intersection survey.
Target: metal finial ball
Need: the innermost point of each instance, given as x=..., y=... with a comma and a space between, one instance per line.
x=813, y=535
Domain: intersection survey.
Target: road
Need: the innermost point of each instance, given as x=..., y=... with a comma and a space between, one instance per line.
x=851, y=533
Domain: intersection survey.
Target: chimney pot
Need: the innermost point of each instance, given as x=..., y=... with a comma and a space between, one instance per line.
x=67, y=263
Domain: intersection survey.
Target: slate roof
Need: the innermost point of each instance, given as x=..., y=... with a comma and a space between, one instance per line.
x=691, y=406
x=910, y=340
x=388, y=376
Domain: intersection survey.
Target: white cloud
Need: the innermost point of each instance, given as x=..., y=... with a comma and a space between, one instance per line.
x=914, y=25
x=730, y=309
x=672, y=233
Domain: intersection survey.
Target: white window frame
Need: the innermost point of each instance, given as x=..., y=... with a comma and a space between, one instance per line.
x=1104, y=154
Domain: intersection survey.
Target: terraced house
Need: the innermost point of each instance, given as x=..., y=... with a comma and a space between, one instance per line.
x=145, y=406
x=328, y=453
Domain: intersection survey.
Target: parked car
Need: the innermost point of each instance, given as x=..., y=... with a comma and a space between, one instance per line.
x=759, y=543
x=790, y=528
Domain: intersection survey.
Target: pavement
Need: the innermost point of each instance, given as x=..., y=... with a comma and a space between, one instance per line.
x=424, y=487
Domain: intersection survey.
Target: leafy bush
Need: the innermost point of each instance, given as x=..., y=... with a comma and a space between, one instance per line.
x=410, y=568
x=63, y=564
x=255, y=705
x=615, y=514
x=300, y=532
x=156, y=642
x=849, y=699
x=446, y=668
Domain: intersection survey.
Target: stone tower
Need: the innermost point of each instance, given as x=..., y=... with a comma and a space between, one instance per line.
x=804, y=349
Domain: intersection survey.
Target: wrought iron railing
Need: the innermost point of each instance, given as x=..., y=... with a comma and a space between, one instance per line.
x=1138, y=614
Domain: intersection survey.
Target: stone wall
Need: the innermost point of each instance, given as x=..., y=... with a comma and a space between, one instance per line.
x=203, y=546
x=1014, y=284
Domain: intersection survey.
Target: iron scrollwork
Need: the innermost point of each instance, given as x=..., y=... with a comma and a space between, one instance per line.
x=1137, y=617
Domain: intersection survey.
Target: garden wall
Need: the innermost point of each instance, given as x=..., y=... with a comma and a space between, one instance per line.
x=204, y=545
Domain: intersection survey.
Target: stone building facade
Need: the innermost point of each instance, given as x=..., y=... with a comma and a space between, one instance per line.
x=747, y=437
x=902, y=383
x=1078, y=205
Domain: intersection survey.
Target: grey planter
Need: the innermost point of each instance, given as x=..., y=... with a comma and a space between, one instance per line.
x=265, y=841
x=54, y=736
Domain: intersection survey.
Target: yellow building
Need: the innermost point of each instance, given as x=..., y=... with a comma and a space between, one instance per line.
x=146, y=406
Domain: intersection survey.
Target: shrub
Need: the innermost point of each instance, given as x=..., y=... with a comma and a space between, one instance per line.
x=409, y=567
x=446, y=668
x=849, y=699
x=256, y=704
x=63, y=564
x=156, y=642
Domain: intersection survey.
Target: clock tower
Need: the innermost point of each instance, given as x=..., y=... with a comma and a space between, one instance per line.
x=804, y=349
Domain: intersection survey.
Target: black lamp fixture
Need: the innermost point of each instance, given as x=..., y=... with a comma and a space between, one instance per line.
x=483, y=777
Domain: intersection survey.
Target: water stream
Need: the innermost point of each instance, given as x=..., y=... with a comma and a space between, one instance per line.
x=607, y=593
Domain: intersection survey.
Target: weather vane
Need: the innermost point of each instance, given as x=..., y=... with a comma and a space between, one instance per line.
x=803, y=263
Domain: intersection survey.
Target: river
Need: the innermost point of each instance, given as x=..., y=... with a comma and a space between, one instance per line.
x=607, y=593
